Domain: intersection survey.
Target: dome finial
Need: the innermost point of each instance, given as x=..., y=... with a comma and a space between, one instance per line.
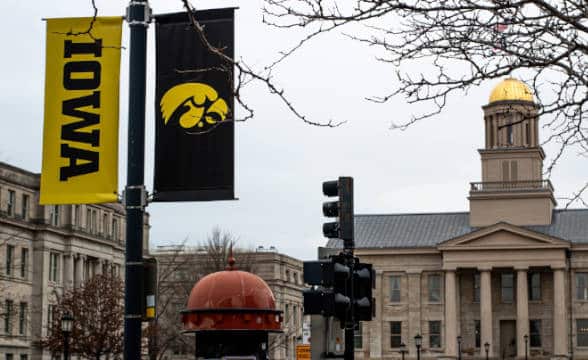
x=231, y=259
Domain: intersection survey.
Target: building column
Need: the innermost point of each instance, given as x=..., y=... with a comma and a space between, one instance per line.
x=560, y=333
x=68, y=271
x=414, y=308
x=79, y=271
x=375, y=326
x=522, y=310
x=486, y=309
x=450, y=314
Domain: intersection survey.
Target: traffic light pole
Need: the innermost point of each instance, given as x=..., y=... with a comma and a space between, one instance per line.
x=349, y=320
x=135, y=199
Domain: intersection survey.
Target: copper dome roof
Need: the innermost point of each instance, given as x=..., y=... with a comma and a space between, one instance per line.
x=231, y=300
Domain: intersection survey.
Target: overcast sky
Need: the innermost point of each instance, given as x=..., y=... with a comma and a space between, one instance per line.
x=280, y=162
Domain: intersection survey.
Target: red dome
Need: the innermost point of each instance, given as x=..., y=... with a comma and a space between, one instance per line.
x=231, y=300
x=231, y=289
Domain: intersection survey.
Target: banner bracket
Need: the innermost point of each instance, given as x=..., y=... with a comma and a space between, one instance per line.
x=138, y=13
x=135, y=194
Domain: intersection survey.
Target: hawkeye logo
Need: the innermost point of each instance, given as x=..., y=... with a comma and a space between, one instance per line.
x=196, y=107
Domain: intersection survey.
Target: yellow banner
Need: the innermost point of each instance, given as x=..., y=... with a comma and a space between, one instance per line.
x=80, y=136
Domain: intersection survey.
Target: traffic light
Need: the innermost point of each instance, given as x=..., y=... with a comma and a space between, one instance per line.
x=341, y=209
x=329, y=294
x=363, y=283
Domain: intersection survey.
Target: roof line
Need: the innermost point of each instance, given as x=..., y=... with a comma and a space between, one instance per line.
x=424, y=213
x=19, y=169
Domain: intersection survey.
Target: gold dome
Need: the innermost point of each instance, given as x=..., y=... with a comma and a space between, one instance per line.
x=511, y=89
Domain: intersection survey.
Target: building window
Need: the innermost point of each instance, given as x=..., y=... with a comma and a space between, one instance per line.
x=24, y=357
x=434, y=287
x=50, y=313
x=582, y=332
x=395, y=334
x=535, y=333
x=514, y=171
x=9, y=356
x=22, y=318
x=8, y=311
x=434, y=334
x=477, y=333
x=77, y=214
x=54, y=215
x=509, y=134
x=395, y=288
x=534, y=286
x=25, y=207
x=507, y=286
x=582, y=286
x=287, y=313
x=114, y=229
x=477, y=288
x=505, y=177
x=24, y=262
x=89, y=220
x=11, y=202
x=53, y=266
x=9, y=259
x=527, y=134
x=105, y=224
x=94, y=225
x=357, y=336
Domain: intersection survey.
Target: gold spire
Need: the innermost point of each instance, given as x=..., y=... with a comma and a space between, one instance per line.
x=511, y=89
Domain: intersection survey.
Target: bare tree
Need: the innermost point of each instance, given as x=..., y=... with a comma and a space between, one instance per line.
x=440, y=49
x=97, y=309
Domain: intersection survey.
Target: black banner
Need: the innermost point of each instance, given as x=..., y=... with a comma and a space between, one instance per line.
x=194, y=107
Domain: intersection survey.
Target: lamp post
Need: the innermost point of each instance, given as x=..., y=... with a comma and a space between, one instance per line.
x=402, y=350
x=418, y=341
x=487, y=348
x=66, y=326
x=526, y=337
x=459, y=347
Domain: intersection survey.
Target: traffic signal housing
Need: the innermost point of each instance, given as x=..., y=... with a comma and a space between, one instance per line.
x=330, y=292
x=341, y=209
x=363, y=284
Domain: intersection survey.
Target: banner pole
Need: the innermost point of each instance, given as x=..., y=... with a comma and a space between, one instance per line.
x=135, y=199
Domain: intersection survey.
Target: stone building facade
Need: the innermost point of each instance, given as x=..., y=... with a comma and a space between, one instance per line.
x=512, y=272
x=44, y=250
x=282, y=273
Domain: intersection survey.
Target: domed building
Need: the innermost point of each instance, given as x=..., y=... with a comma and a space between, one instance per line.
x=506, y=279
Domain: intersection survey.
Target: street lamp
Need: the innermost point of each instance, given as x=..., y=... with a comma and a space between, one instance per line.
x=526, y=337
x=487, y=348
x=459, y=347
x=66, y=326
x=402, y=349
x=418, y=341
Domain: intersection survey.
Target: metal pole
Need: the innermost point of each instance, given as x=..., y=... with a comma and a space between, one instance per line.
x=418, y=352
x=459, y=347
x=526, y=340
x=65, y=345
x=349, y=321
x=138, y=17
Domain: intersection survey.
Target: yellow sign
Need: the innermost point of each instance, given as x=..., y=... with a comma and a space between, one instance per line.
x=80, y=136
x=303, y=352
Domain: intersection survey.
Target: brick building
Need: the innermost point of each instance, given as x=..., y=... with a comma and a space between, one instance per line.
x=511, y=272
x=44, y=250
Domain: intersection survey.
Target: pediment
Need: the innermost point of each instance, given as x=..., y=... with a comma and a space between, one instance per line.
x=503, y=236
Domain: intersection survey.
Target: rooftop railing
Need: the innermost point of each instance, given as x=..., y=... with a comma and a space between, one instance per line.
x=525, y=185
